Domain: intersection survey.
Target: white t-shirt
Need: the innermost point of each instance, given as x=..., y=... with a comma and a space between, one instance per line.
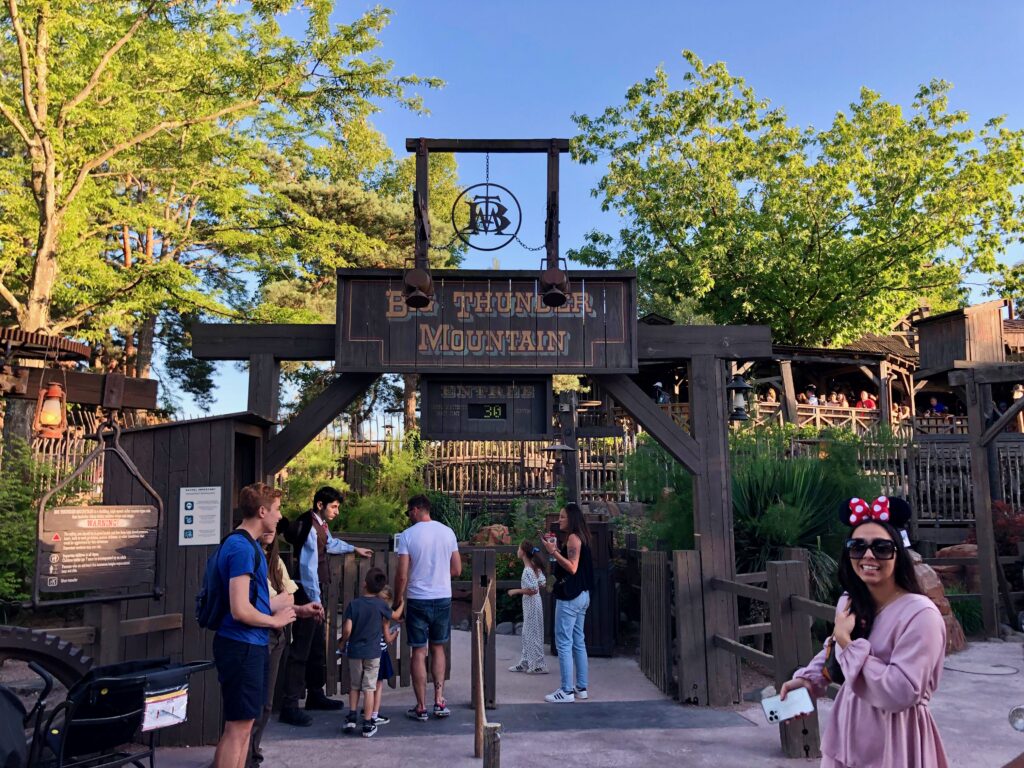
x=429, y=546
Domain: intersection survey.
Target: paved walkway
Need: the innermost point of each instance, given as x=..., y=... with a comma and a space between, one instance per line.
x=628, y=722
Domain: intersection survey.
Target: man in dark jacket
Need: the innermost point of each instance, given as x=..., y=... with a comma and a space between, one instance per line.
x=306, y=668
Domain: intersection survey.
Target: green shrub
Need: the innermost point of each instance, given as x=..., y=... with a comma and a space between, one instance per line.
x=968, y=612
x=373, y=513
x=17, y=521
x=314, y=467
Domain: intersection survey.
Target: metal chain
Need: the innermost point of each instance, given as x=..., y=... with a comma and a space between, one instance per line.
x=528, y=248
x=446, y=246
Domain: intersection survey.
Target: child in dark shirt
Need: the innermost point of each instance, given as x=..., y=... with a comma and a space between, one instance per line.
x=365, y=620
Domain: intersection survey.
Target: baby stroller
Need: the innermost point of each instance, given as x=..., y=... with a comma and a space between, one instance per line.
x=110, y=716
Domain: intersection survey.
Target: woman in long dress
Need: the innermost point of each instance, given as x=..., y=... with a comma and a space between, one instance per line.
x=532, y=659
x=887, y=650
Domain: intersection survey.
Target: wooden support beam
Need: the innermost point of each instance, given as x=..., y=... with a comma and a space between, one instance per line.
x=659, y=424
x=789, y=410
x=982, y=496
x=713, y=521
x=733, y=342
x=312, y=419
x=285, y=341
x=690, y=650
x=570, y=459
x=494, y=146
x=264, y=385
x=90, y=388
x=1000, y=424
x=884, y=394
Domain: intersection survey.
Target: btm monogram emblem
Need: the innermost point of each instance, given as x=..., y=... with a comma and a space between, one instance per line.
x=494, y=217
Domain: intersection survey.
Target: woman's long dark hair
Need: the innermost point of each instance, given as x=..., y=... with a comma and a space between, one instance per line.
x=577, y=522
x=861, y=602
x=273, y=569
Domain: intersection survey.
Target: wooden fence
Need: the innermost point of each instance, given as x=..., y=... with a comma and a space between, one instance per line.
x=673, y=654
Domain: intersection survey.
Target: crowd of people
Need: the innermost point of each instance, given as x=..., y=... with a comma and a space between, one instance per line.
x=259, y=601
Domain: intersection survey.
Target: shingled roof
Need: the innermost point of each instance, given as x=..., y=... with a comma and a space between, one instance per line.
x=884, y=345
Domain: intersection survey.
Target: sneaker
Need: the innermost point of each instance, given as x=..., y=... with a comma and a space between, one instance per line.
x=520, y=667
x=369, y=728
x=441, y=710
x=417, y=714
x=581, y=693
x=351, y=722
x=381, y=720
x=538, y=671
x=559, y=696
x=295, y=716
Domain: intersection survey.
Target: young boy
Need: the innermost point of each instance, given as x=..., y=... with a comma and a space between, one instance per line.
x=365, y=620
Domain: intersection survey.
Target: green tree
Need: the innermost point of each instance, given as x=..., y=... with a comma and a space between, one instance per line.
x=821, y=234
x=140, y=146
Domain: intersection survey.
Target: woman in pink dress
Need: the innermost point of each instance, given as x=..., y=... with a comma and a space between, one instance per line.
x=889, y=644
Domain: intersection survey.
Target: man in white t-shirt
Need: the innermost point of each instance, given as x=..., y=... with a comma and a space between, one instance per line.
x=428, y=560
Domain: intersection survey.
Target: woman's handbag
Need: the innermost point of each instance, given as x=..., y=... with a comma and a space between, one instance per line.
x=832, y=671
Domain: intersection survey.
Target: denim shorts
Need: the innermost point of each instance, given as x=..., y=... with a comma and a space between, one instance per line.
x=242, y=673
x=428, y=621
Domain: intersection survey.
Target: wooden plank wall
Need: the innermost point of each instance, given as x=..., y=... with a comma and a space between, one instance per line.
x=170, y=457
x=656, y=620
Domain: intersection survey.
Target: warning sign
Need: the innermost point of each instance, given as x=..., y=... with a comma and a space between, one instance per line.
x=82, y=549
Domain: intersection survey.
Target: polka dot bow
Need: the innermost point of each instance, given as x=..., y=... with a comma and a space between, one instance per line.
x=862, y=511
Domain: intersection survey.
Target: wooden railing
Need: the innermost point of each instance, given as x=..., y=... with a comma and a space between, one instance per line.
x=486, y=736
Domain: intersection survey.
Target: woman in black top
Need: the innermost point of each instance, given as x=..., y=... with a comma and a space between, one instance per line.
x=574, y=574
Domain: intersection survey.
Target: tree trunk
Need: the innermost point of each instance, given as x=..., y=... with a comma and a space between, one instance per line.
x=144, y=356
x=410, y=381
x=36, y=317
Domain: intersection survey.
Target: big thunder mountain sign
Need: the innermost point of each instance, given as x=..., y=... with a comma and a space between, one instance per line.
x=486, y=322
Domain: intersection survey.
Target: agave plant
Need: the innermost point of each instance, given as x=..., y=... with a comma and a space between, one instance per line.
x=792, y=503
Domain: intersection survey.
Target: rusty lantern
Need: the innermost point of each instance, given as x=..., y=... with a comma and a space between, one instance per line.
x=418, y=287
x=51, y=417
x=554, y=286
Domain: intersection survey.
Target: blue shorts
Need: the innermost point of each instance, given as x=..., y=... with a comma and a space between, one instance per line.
x=428, y=621
x=242, y=673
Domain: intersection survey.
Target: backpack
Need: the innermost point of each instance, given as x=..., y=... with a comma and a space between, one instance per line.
x=213, y=602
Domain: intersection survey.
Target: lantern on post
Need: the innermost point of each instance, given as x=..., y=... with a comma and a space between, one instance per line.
x=738, y=389
x=51, y=416
x=558, y=468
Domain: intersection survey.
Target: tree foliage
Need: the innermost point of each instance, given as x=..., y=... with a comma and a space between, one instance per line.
x=822, y=234
x=149, y=154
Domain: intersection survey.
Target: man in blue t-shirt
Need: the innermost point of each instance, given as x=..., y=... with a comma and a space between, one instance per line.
x=240, y=645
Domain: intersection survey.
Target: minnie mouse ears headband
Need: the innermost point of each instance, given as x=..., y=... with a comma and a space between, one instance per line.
x=895, y=511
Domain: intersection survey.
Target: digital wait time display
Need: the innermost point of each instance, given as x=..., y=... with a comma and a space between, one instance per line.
x=488, y=411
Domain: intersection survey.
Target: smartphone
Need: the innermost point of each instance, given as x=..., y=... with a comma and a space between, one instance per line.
x=798, y=702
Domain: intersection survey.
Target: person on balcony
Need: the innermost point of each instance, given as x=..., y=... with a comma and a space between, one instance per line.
x=936, y=407
x=661, y=397
x=866, y=401
x=811, y=394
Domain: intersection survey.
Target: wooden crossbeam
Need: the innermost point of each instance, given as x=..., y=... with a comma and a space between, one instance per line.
x=659, y=424
x=731, y=342
x=312, y=419
x=281, y=341
x=985, y=373
x=89, y=388
x=488, y=145
x=1003, y=421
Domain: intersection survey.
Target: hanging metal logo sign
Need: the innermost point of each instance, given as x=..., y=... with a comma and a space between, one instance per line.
x=494, y=217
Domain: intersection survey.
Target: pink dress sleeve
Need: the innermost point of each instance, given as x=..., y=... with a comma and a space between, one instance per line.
x=812, y=672
x=901, y=683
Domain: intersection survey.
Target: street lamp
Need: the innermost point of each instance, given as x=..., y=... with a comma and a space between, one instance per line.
x=558, y=468
x=51, y=416
x=738, y=389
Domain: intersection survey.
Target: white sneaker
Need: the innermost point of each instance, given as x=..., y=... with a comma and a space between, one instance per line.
x=520, y=667
x=581, y=693
x=559, y=696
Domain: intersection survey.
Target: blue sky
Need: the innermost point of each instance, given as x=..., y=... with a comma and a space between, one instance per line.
x=521, y=69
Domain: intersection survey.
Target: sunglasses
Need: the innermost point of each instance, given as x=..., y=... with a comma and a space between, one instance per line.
x=882, y=549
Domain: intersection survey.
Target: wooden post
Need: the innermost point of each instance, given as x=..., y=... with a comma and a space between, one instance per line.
x=570, y=459
x=690, y=652
x=331, y=629
x=264, y=385
x=106, y=618
x=484, y=592
x=713, y=521
x=492, y=745
x=791, y=646
x=884, y=395
x=788, y=392
x=982, y=497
